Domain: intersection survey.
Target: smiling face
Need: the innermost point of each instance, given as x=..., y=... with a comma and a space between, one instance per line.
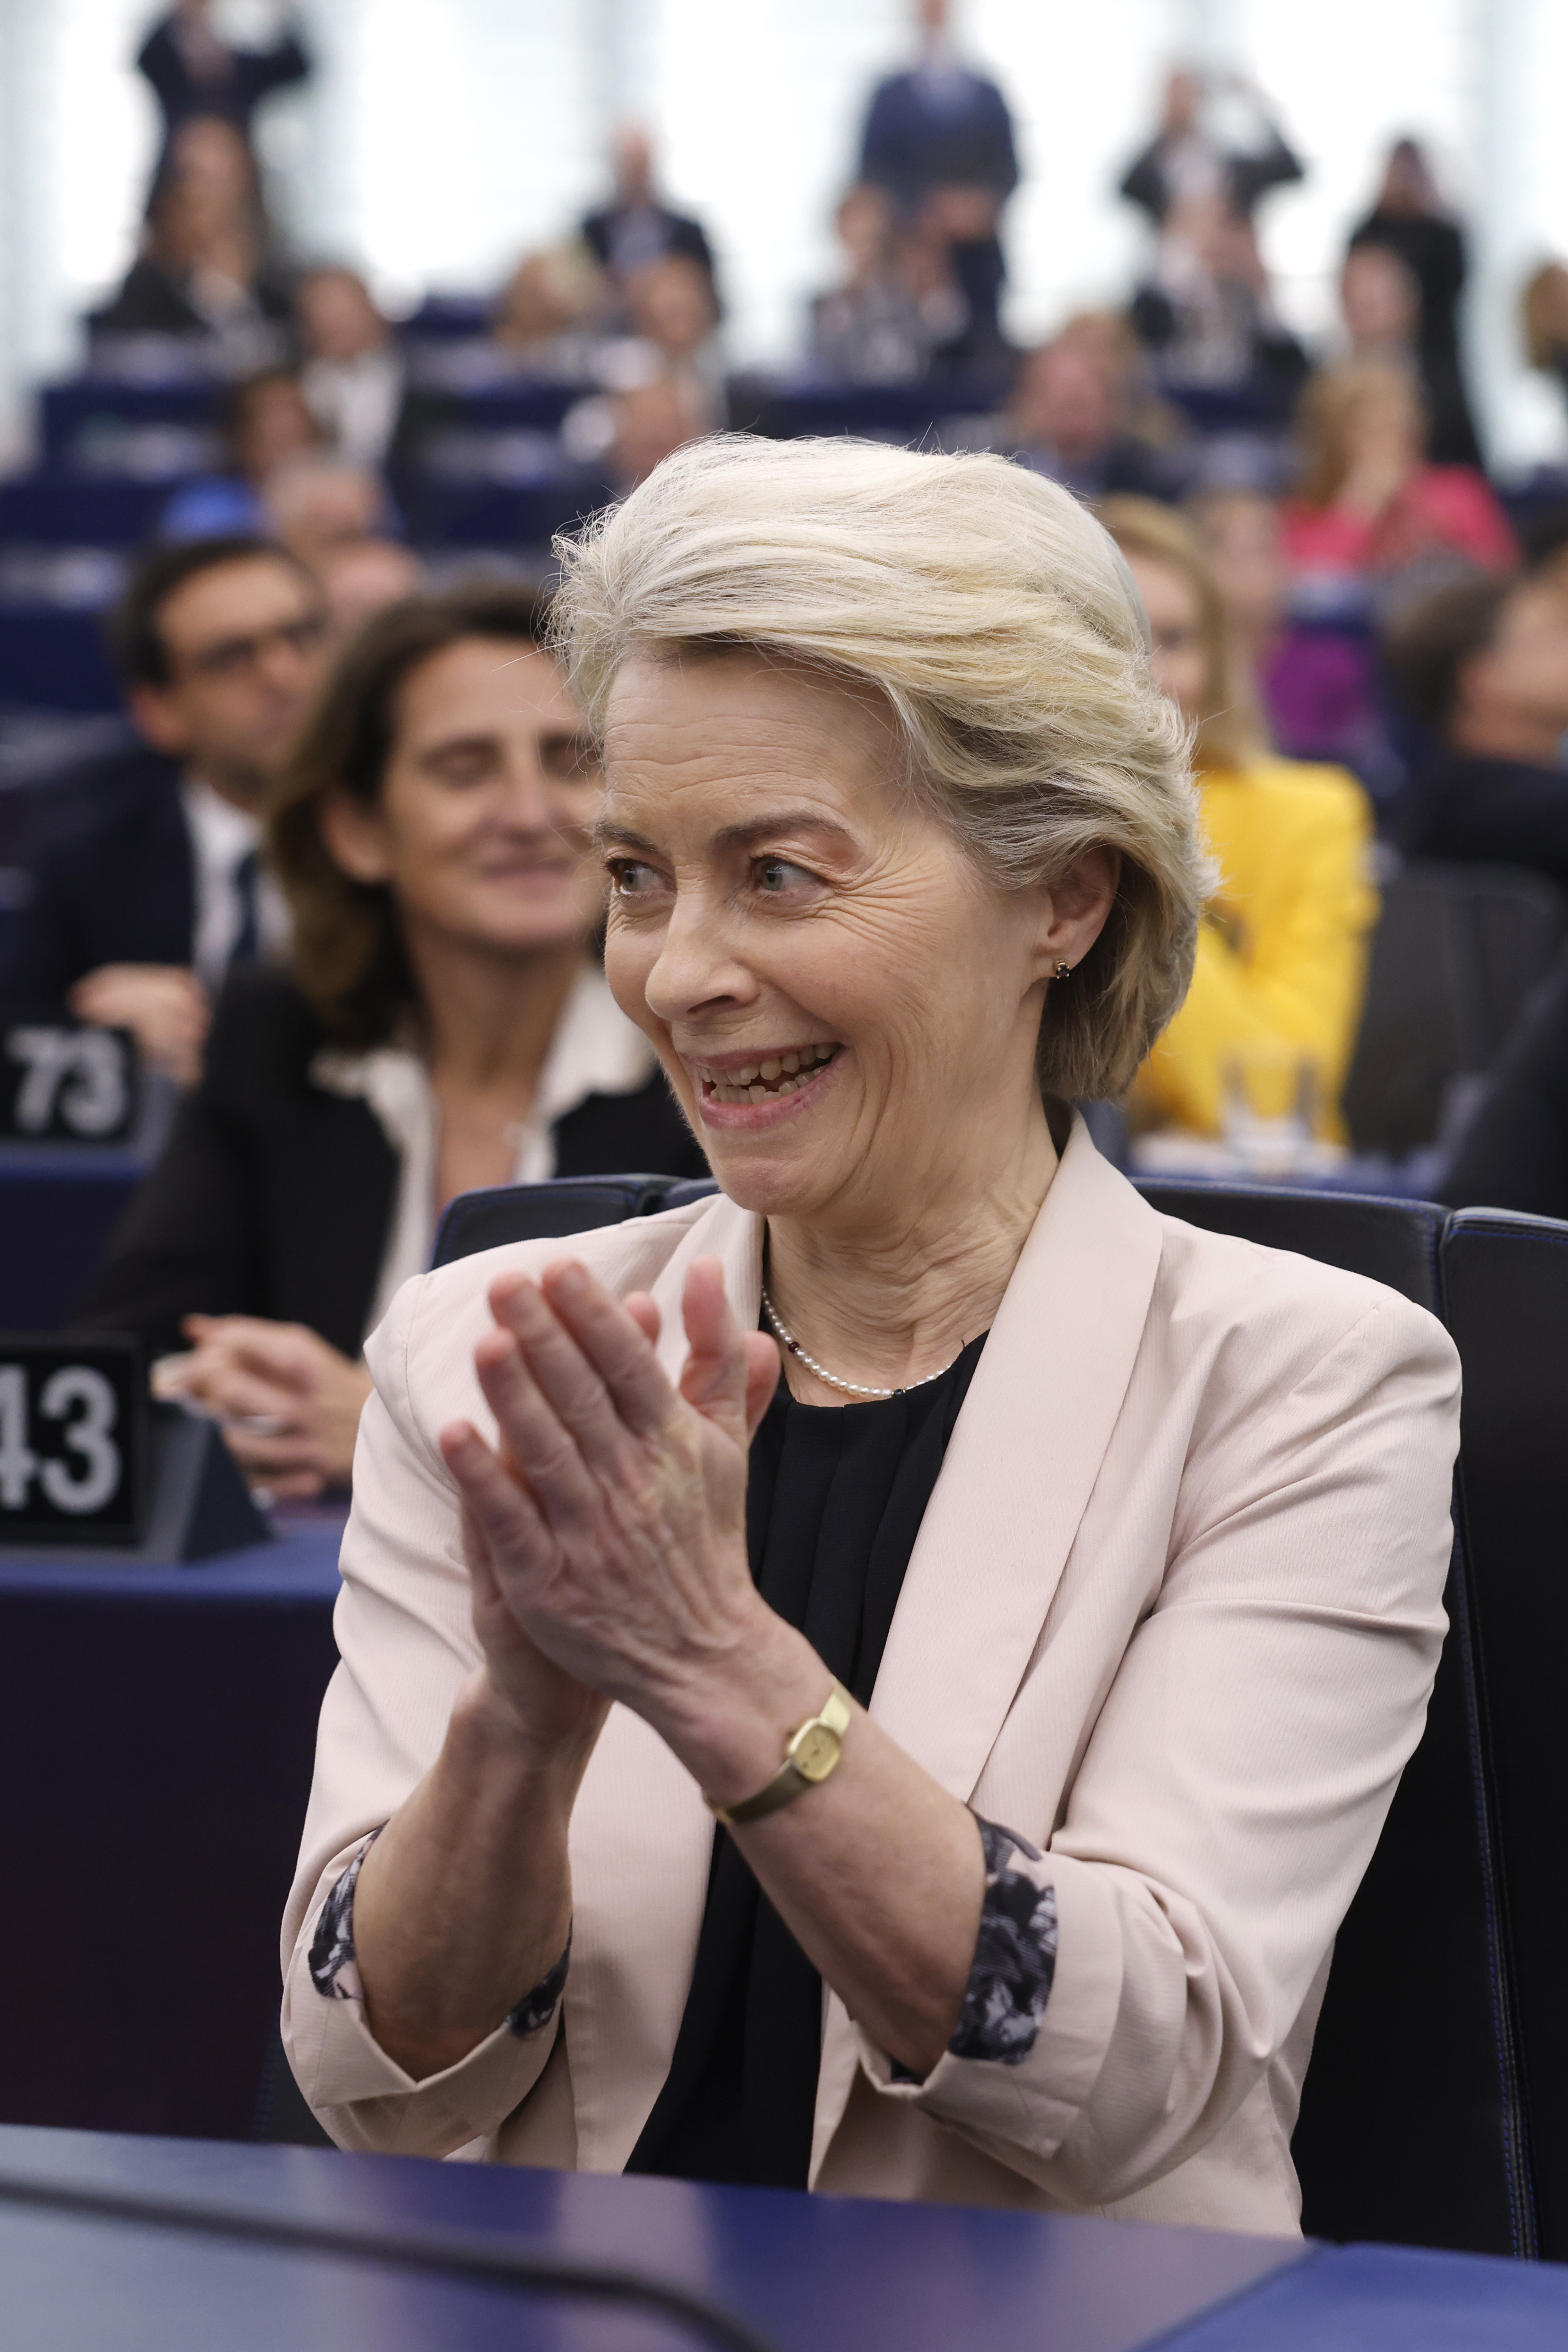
x=847, y=1010
x=479, y=830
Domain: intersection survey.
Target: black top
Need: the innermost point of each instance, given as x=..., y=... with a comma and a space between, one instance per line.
x=835, y=1502
x=1147, y=180
x=274, y=1196
x=1498, y=812
x=1514, y=1154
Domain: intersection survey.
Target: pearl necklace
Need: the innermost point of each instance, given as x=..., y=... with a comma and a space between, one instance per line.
x=847, y=1387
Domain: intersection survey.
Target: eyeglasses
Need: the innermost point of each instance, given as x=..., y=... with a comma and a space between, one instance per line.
x=231, y=656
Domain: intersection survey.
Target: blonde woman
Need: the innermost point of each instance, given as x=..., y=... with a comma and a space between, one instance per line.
x=1049, y=1639
x=1367, y=501
x=1281, y=953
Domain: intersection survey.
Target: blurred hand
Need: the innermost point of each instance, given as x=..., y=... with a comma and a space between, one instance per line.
x=288, y=1404
x=163, y=1005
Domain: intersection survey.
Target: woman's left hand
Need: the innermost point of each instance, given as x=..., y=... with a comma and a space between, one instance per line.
x=615, y=1515
x=289, y=1403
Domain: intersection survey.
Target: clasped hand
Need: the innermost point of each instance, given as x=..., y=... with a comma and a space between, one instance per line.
x=607, y=1535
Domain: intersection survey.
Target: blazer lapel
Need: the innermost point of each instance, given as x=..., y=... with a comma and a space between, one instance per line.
x=1020, y=1468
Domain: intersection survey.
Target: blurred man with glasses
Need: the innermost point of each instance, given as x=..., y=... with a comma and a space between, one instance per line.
x=145, y=879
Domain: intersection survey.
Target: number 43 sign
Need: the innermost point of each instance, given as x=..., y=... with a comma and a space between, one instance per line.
x=72, y=1440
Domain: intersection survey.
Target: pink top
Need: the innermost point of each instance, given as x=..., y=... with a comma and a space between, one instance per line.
x=1443, y=508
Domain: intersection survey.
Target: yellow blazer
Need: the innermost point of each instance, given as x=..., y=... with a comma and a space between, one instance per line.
x=1173, y=1613
x=1283, y=950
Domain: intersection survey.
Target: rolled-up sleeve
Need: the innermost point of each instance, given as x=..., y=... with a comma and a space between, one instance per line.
x=1236, y=1781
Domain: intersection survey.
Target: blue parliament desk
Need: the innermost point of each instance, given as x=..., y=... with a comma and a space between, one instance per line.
x=806, y=2274
x=157, y=1728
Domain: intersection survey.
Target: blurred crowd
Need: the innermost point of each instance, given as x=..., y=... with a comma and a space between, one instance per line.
x=1370, y=646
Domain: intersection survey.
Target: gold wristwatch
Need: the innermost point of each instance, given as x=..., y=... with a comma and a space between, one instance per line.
x=810, y=1754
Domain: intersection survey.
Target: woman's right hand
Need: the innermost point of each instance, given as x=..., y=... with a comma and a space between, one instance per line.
x=551, y=1709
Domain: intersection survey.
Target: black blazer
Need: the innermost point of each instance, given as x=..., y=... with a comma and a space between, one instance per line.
x=1514, y=1154
x=108, y=852
x=1248, y=177
x=273, y=1196
x=1494, y=812
x=682, y=234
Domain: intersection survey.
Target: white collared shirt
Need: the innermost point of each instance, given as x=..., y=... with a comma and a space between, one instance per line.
x=221, y=835
x=594, y=1051
x=358, y=402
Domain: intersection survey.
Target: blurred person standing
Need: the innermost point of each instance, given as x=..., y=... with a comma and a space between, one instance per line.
x=637, y=228
x=1483, y=665
x=444, y=1024
x=193, y=70
x=939, y=141
x=1410, y=218
x=1281, y=956
x=266, y=423
x=1218, y=141
x=1368, y=504
x=146, y=877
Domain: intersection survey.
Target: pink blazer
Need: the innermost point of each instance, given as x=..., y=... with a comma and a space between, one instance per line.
x=1173, y=1613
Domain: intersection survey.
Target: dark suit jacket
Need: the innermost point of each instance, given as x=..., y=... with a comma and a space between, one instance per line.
x=273, y=1196
x=153, y=300
x=109, y=852
x=682, y=234
x=909, y=145
x=1497, y=812
x=1515, y=1152
x=1250, y=177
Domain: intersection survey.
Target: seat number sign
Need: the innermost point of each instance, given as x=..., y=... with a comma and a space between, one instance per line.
x=60, y=1084
x=72, y=1440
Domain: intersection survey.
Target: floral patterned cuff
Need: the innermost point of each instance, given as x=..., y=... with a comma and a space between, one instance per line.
x=1014, y=1958
x=336, y=1978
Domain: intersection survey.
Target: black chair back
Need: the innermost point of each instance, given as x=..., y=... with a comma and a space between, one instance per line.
x=1456, y=951
x=1410, y=2123
x=1505, y=1284
x=1410, y=2120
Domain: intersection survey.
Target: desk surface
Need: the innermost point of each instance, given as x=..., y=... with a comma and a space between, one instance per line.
x=299, y=1564
x=813, y=2275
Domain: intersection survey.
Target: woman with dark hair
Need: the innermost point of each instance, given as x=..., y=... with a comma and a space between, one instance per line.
x=444, y=1025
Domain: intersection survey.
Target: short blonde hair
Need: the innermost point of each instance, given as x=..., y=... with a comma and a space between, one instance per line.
x=1002, y=628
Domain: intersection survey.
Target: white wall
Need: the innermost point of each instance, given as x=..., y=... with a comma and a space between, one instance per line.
x=443, y=136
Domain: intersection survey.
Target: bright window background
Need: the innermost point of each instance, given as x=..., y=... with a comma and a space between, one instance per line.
x=441, y=137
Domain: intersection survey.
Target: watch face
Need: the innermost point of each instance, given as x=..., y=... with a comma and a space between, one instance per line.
x=816, y=1751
